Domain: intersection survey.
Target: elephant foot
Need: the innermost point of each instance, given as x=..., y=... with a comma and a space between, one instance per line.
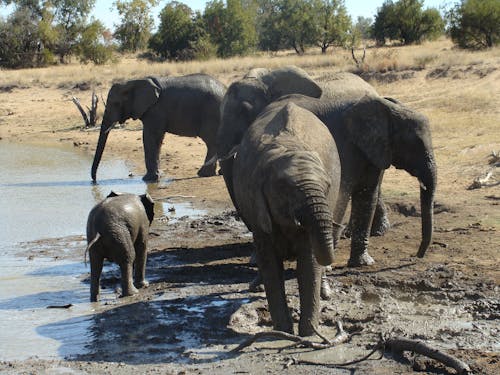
x=306, y=328
x=380, y=227
x=326, y=291
x=151, y=177
x=207, y=172
x=141, y=284
x=256, y=285
x=94, y=298
x=130, y=292
x=364, y=259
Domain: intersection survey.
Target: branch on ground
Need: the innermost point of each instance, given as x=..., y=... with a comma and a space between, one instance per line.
x=341, y=337
x=90, y=119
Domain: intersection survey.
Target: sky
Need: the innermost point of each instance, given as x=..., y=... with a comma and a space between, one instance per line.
x=365, y=8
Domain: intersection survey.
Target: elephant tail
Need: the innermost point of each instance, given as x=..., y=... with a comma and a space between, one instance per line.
x=89, y=246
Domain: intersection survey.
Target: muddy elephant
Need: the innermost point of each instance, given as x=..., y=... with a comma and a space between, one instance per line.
x=286, y=181
x=371, y=133
x=187, y=106
x=117, y=230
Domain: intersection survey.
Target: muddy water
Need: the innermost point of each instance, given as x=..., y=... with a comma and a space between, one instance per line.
x=45, y=197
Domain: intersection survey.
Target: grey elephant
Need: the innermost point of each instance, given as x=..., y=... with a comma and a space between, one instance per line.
x=286, y=181
x=371, y=134
x=117, y=230
x=187, y=106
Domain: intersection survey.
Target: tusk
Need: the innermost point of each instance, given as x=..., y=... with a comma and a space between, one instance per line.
x=231, y=153
x=422, y=186
x=211, y=161
x=109, y=129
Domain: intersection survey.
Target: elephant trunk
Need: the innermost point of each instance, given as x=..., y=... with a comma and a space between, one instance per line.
x=103, y=137
x=319, y=221
x=427, y=189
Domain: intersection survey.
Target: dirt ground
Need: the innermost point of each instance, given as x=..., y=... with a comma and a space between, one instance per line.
x=198, y=306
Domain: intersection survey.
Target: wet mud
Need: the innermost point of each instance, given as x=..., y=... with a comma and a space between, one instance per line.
x=198, y=306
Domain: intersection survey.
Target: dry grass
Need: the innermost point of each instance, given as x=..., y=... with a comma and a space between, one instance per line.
x=425, y=56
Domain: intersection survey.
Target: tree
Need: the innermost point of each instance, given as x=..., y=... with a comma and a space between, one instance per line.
x=91, y=46
x=136, y=24
x=333, y=23
x=406, y=21
x=19, y=39
x=231, y=26
x=475, y=24
x=40, y=29
x=180, y=35
x=289, y=24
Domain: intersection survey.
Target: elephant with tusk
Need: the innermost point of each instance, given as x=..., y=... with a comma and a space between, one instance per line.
x=187, y=106
x=371, y=133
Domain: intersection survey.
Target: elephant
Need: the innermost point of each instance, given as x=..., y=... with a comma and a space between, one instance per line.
x=286, y=179
x=117, y=230
x=187, y=106
x=371, y=133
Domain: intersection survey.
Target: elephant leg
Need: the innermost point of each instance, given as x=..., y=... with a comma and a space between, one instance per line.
x=364, y=200
x=140, y=264
x=271, y=269
x=152, y=141
x=96, y=263
x=128, y=288
x=309, y=274
x=208, y=170
x=380, y=224
x=326, y=291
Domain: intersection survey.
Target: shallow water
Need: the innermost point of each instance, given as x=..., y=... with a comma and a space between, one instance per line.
x=46, y=193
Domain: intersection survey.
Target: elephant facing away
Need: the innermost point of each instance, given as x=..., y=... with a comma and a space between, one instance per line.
x=286, y=179
x=187, y=106
x=117, y=230
x=371, y=133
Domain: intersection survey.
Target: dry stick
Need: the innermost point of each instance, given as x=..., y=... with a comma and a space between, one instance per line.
x=342, y=336
x=82, y=111
x=398, y=345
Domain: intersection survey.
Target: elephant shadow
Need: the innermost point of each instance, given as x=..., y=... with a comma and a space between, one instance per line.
x=175, y=330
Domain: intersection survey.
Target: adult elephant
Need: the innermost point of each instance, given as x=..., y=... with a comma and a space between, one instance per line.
x=286, y=182
x=187, y=106
x=371, y=133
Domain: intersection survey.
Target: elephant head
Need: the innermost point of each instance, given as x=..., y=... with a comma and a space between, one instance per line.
x=125, y=100
x=146, y=200
x=388, y=133
x=246, y=98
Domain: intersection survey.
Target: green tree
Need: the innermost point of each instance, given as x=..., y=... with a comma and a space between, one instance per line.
x=406, y=21
x=333, y=23
x=136, y=23
x=289, y=24
x=231, y=26
x=70, y=17
x=19, y=39
x=92, y=46
x=180, y=35
x=475, y=24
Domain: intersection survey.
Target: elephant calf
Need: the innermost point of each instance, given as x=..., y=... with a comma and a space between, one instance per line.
x=286, y=179
x=117, y=230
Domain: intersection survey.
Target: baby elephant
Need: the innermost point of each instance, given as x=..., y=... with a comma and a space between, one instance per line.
x=117, y=230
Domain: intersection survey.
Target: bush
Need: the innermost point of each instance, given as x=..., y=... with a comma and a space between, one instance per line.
x=406, y=21
x=475, y=24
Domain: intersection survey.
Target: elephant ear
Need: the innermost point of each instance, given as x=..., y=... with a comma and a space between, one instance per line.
x=368, y=125
x=290, y=80
x=143, y=94
x=149, y=206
